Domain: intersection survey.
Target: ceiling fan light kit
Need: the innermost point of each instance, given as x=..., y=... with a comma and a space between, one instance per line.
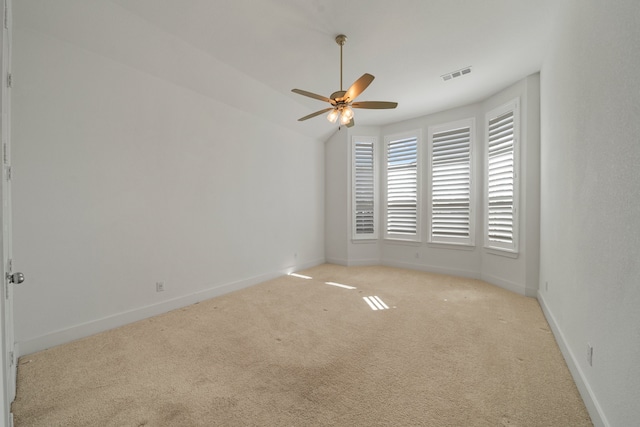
x=342, y=101
x=333, y=115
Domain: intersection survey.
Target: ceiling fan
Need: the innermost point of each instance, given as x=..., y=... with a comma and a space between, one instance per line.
x=342, y=101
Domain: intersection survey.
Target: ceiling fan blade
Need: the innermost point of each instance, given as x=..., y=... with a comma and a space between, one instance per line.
x=376, y=105
x=317, y=113
x=358, y=87
x=312, y=95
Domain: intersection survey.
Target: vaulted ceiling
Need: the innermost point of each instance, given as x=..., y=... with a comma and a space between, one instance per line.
x=406, y=44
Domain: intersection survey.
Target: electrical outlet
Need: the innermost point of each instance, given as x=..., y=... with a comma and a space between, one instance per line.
x=590, y=354
x=159, y=286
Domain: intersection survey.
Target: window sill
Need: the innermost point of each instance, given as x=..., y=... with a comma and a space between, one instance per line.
x=365, y=240
x=402, y=242
x=501, y=252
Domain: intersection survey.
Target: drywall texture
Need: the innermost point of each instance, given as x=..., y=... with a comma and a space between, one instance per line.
x=141, y=170
x=590, y=232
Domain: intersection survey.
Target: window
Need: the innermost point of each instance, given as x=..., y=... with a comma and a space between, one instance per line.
x=450, y=192
x=501, y=183
x=364, y=188
x=402, y=213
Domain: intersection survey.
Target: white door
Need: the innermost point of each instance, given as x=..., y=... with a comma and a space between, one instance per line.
x=8, y=392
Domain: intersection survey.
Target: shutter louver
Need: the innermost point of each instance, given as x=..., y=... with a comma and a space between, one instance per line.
x=501, y=177
x=364, y=188
x=451, y=186
x=402, y=187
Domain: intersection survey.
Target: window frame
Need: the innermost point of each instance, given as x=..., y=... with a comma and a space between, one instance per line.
x=492, y=245
x=355, y=140
x=469, y=241
x=388, y=139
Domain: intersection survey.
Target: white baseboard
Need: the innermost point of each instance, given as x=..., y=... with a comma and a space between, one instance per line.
x=338, y=261
x=506, y=284
x=83, y=330
x=593, y=407
x=432, y=269
x=363, y=262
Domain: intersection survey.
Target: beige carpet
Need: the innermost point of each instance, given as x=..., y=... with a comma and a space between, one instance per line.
x=296, y=352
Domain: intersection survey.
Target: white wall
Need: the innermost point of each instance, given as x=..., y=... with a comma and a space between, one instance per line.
x=132, y=166
x=590, y=209
x=336, y=197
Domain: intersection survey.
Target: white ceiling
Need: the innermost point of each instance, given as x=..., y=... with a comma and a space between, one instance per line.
x=406, y=44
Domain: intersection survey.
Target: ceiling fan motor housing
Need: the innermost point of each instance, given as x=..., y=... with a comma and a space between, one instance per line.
x=338, y=95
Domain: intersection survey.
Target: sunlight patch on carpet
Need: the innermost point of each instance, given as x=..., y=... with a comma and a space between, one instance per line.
x=300, y=276
x=340, y=285
x=375, y=303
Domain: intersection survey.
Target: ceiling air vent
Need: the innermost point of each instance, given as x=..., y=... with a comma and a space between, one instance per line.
x=457, y=73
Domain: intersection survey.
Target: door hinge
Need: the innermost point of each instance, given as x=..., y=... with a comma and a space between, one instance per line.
x=6, y=279
x=8, y=173
x=9, y=80
x=12, y=358
x=6, y=17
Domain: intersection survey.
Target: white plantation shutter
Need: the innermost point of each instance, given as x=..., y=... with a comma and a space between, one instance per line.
x=364, y=188
x=501, y=195
x=402, y=189
x=451, y=220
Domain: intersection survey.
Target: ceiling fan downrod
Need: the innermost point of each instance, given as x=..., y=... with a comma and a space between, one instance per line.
x=341, y=40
